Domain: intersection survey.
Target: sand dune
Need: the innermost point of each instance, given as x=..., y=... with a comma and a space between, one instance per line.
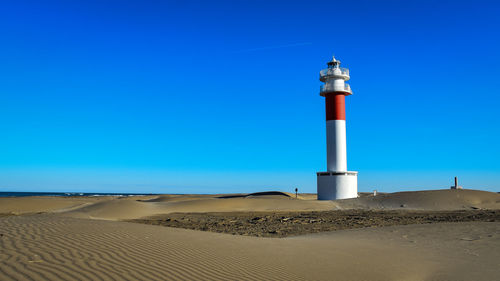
x=267, y=194
x=177, y=197
x=119, y=208
x=24, y=205
x=186, y=197
x=128, y=209
x=82, y=238
x=115, y=209
x=50, y=247
x=448, y=199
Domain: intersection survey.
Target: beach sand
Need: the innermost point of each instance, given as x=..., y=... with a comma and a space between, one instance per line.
x=50, y=238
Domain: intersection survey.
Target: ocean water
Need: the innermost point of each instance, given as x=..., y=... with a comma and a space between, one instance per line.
x=64, y=194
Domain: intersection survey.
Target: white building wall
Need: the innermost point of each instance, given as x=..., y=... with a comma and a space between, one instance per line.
x=333, y=186
x=336, y=154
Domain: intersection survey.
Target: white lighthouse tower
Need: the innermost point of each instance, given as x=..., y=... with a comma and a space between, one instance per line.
x=336, y=182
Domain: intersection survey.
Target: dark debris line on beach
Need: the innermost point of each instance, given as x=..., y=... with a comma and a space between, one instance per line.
x=282, y=224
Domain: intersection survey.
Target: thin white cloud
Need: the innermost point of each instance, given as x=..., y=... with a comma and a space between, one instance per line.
x=274, y=47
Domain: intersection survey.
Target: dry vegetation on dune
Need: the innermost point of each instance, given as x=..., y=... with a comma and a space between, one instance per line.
x=282, y=224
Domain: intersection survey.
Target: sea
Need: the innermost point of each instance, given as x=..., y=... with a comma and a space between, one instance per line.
x=67, y=194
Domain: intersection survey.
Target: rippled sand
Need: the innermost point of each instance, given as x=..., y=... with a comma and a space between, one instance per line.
x=84, y=239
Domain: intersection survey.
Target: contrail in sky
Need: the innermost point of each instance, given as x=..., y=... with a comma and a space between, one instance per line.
x=274, y=47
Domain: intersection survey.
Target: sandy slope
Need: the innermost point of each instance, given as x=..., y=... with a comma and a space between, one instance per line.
x=50, y=247
x=116, y=208
x=83, y=239
x=447, y=199
x=36, y=204
x=127, y=208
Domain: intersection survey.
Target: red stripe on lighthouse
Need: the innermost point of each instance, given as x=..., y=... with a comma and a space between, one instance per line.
x=335, y=106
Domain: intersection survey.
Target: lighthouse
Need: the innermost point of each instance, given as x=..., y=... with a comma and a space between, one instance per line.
x=336, y=182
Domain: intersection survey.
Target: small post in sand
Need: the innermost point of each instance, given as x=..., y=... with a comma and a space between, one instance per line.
x=296, y=194
x=456, y=186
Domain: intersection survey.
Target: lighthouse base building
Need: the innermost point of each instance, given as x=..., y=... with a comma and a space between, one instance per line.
x=337, y=185
x=337, y=182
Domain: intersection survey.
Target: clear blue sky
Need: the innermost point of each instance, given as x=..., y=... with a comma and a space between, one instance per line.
x=205, y=97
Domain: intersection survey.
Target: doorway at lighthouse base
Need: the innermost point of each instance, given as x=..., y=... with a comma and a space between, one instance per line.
x=337, y=185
